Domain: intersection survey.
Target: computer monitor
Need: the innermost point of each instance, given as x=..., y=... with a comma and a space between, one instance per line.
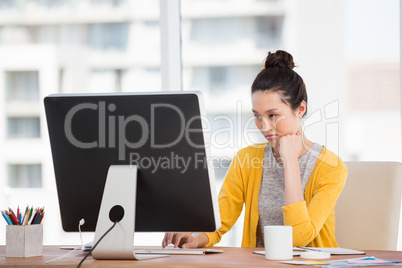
x=161, y=133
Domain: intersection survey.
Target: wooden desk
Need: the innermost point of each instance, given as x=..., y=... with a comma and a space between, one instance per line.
x=232, y=257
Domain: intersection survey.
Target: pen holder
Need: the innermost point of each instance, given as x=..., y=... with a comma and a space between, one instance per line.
x=24, y=240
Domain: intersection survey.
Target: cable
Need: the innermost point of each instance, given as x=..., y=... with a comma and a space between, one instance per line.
x=61, y=257
x=94, y=246
x=81, y=222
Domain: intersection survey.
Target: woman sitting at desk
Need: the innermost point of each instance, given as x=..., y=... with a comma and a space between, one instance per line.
x=289, y=180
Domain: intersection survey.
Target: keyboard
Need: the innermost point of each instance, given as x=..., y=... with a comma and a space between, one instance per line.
x=177, y=251
x=168, y=250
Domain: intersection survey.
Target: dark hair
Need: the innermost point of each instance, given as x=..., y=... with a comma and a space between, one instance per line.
x=278, y=76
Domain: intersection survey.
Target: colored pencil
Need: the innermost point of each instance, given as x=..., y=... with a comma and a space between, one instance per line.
x=43, y=215
x=12, y=215
x=39, y=218
x=18, y=215
x=6, y=213
x=25, y=215
x=10, y=218
x=30, y=216
x=12, y=212
x=6, y=218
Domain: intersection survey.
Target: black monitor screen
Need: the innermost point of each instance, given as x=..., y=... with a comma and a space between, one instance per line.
x=160, y=133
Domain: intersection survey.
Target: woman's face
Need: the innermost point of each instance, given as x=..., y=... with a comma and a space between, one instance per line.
x=273, y=117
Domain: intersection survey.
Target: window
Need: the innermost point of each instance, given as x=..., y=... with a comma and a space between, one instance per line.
x=268, y=32
x=109, y=36
x=216, y=31
x=99, y=46
x=346, y=58
x=59, y=34
x=25, y=175
x=54, y=4
x=23, y=127
x=217, y=77
x=22, y=85
x=7, y=4
x=219, y=80
x=372, y=122
x=107, y=3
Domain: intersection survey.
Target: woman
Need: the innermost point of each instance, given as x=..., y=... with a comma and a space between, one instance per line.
x=287, y=181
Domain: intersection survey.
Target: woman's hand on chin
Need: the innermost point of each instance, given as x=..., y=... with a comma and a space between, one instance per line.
x=290, y=147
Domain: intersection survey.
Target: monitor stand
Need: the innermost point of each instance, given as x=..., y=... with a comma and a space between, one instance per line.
x=119, y=197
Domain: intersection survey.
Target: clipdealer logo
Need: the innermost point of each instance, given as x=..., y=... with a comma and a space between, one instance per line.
x=146, y=128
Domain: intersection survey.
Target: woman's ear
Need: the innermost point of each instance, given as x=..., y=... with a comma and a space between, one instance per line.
x=301, y=110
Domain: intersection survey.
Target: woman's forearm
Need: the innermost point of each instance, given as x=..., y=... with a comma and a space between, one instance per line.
x=202, y=239
x=293, y=188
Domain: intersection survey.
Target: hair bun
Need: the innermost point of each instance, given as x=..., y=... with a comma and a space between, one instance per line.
x=279, y=59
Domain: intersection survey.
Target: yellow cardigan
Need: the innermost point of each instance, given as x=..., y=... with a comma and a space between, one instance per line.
x=313, y=220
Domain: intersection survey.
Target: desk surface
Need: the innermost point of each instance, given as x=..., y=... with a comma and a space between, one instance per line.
x=232, y=257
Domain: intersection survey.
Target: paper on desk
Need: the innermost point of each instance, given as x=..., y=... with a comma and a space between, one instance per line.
x=333, y=251
x=303, y=262
x=359, y=262
x=336, y=251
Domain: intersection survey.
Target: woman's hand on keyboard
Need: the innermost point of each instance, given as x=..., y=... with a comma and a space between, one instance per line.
x=185, y=240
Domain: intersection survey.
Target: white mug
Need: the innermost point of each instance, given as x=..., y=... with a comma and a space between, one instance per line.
x=278, y=242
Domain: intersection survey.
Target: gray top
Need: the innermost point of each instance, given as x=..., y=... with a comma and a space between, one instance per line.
x=271, y=196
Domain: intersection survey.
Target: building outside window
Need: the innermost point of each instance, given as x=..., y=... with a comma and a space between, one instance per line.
x=22, y=85
x=217, y=77
x=268, y=31
x=114, y=45
x=23, y=127
x=109, y=36
x=24, y=175
x=7, y=4
x=59, y=34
